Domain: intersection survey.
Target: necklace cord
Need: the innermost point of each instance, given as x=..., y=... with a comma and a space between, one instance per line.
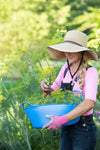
x=72, y=76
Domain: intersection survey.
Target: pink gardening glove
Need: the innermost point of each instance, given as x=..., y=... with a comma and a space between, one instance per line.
x=45, y=85
x=56, y=122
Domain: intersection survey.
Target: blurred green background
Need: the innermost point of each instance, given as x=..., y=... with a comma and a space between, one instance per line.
x=27, y=27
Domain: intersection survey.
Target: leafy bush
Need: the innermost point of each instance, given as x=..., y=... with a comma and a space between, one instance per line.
x=59, y=96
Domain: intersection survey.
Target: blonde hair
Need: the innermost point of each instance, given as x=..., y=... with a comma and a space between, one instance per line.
x=81, y=72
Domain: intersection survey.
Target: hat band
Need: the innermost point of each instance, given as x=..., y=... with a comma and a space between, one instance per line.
x=74, y=43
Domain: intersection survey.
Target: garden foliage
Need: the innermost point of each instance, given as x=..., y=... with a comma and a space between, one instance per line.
x=58, y=96
x=26, y=29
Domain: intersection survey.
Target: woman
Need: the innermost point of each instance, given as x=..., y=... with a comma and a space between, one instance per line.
x=75, y=74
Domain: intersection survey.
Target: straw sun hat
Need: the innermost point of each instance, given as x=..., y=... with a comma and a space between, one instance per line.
x=74, y=41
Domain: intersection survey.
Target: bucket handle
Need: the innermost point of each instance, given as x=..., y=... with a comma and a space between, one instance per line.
x=30, y=105
x=81, y=96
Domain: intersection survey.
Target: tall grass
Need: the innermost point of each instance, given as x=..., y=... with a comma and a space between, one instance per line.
x=16, y=132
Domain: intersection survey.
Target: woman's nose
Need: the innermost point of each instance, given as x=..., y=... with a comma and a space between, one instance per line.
x=67, y=54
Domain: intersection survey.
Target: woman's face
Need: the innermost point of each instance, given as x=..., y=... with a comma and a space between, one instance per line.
x=73, y=57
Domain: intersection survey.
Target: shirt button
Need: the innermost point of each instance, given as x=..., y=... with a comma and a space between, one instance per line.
x=84, y=125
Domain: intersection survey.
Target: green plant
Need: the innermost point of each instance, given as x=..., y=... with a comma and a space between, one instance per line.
x=59, y=96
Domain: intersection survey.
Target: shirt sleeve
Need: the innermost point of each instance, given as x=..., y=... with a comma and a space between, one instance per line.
x=91, y=84
x=58, y=80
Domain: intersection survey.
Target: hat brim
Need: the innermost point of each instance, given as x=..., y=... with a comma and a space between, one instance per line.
x=57, y=51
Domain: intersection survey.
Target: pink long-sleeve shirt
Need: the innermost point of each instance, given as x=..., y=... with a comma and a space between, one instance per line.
x=90, y=84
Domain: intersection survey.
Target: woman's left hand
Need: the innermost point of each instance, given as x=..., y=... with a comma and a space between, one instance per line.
x=56, y=122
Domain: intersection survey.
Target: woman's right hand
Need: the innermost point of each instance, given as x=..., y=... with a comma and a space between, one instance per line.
x=45, y=85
